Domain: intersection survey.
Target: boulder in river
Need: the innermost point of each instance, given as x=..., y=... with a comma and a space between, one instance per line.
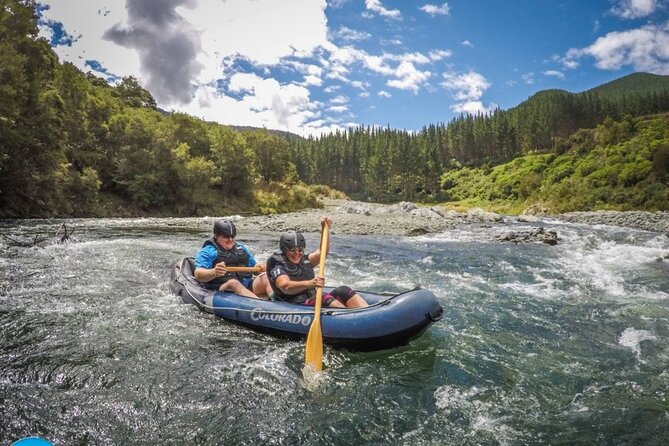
x=539, y=234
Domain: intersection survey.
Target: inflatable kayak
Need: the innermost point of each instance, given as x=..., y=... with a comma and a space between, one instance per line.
x=389, y=321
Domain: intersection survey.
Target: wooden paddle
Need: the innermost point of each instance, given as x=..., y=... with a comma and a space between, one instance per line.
x=314, y=354
x=244, y=269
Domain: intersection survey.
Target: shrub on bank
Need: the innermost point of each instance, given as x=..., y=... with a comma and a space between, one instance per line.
x=279, y=197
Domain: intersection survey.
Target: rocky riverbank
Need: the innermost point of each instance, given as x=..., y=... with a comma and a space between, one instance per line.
x=649, y=221
x=353, y=217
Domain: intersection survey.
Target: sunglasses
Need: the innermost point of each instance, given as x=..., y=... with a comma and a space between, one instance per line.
x=296, y=250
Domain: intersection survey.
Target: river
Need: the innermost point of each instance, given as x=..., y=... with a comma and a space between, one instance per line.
x=539, y=344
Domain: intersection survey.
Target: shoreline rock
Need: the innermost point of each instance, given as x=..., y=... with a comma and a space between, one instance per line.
x=406, y=218
x=649, y=221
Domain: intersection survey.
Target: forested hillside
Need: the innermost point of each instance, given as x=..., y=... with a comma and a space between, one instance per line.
x=617, y=165
x=72, y=145
x=388, y=164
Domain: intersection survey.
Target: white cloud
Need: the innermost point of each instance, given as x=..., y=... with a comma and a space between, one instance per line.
x=469, y=88
x=313, y=80
x=404, y=76
x=350, y=35
x=338, y=108
x=409, y=78
x=436, y=10
x=377, y=64
x=528, y=78
x=472, y=107
x=554, y=73
x=336, y=4
x=264, y=31
x=400, y=69
x=384, y=94
x=644, y=49
x=414, y=57
x=396, y=41
x=341, y=99
x=88, y=23
x=634, y=9
x=359, y=84
x=467, y=43
x=440, y=54
x=377, y=7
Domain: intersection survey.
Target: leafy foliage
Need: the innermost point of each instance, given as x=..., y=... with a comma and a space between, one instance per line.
x=622, y=174
x=71, y=144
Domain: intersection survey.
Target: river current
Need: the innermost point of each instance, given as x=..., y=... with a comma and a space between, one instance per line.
x=539, y=344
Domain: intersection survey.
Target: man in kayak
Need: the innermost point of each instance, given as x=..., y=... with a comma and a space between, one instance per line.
x=222, y=251
x=292, y=277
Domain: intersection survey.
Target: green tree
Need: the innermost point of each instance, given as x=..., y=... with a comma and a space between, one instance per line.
x=233, y=160
x=30, y=136
x=133, y=95
x=272, y=156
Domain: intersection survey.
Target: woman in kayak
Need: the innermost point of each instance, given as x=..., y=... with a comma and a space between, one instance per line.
x=292, y=277
x=222, y=251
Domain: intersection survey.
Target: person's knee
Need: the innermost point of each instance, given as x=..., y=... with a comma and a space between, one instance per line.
x=343, y=293
x=335, y=303
x=232, y=284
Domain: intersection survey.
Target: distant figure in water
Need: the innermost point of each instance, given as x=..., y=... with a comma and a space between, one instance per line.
x=292, y=277
x=222, y=251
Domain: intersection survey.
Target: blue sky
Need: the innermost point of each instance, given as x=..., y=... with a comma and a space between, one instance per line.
x=312, y=66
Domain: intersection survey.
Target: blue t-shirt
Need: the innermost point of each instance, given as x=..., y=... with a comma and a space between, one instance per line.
x=206, y=256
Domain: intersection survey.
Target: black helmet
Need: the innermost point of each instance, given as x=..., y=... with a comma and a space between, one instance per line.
x=292, y=239
x=225, y=227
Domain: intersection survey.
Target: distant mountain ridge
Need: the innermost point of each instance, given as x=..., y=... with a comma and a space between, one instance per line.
x=635, y=83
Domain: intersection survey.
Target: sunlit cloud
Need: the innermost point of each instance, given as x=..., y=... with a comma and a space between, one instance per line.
x=644, y=49
x=376, y=7
x=528, y=78
x=350, y=35
x=634, y=9
x=434, y=10
x=440, y=54
x=469, y=88
x=553, y=73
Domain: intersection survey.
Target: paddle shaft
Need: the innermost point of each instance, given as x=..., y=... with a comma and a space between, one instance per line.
x=314, y=353
x=244, y=269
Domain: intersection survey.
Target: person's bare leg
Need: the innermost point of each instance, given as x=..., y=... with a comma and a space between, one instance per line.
x=261, y=286
x=356, y=301
x=235, y=286
x=336, y=304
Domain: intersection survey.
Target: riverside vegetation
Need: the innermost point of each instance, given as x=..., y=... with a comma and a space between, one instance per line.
x=73, y=144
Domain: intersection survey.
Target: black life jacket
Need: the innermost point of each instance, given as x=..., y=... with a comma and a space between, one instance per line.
x=236, y=256
x=302, y=271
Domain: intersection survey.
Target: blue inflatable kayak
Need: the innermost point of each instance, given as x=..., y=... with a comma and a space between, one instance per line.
x=389, y=321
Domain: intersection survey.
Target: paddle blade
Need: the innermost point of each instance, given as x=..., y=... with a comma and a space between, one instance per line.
x=314, y=354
